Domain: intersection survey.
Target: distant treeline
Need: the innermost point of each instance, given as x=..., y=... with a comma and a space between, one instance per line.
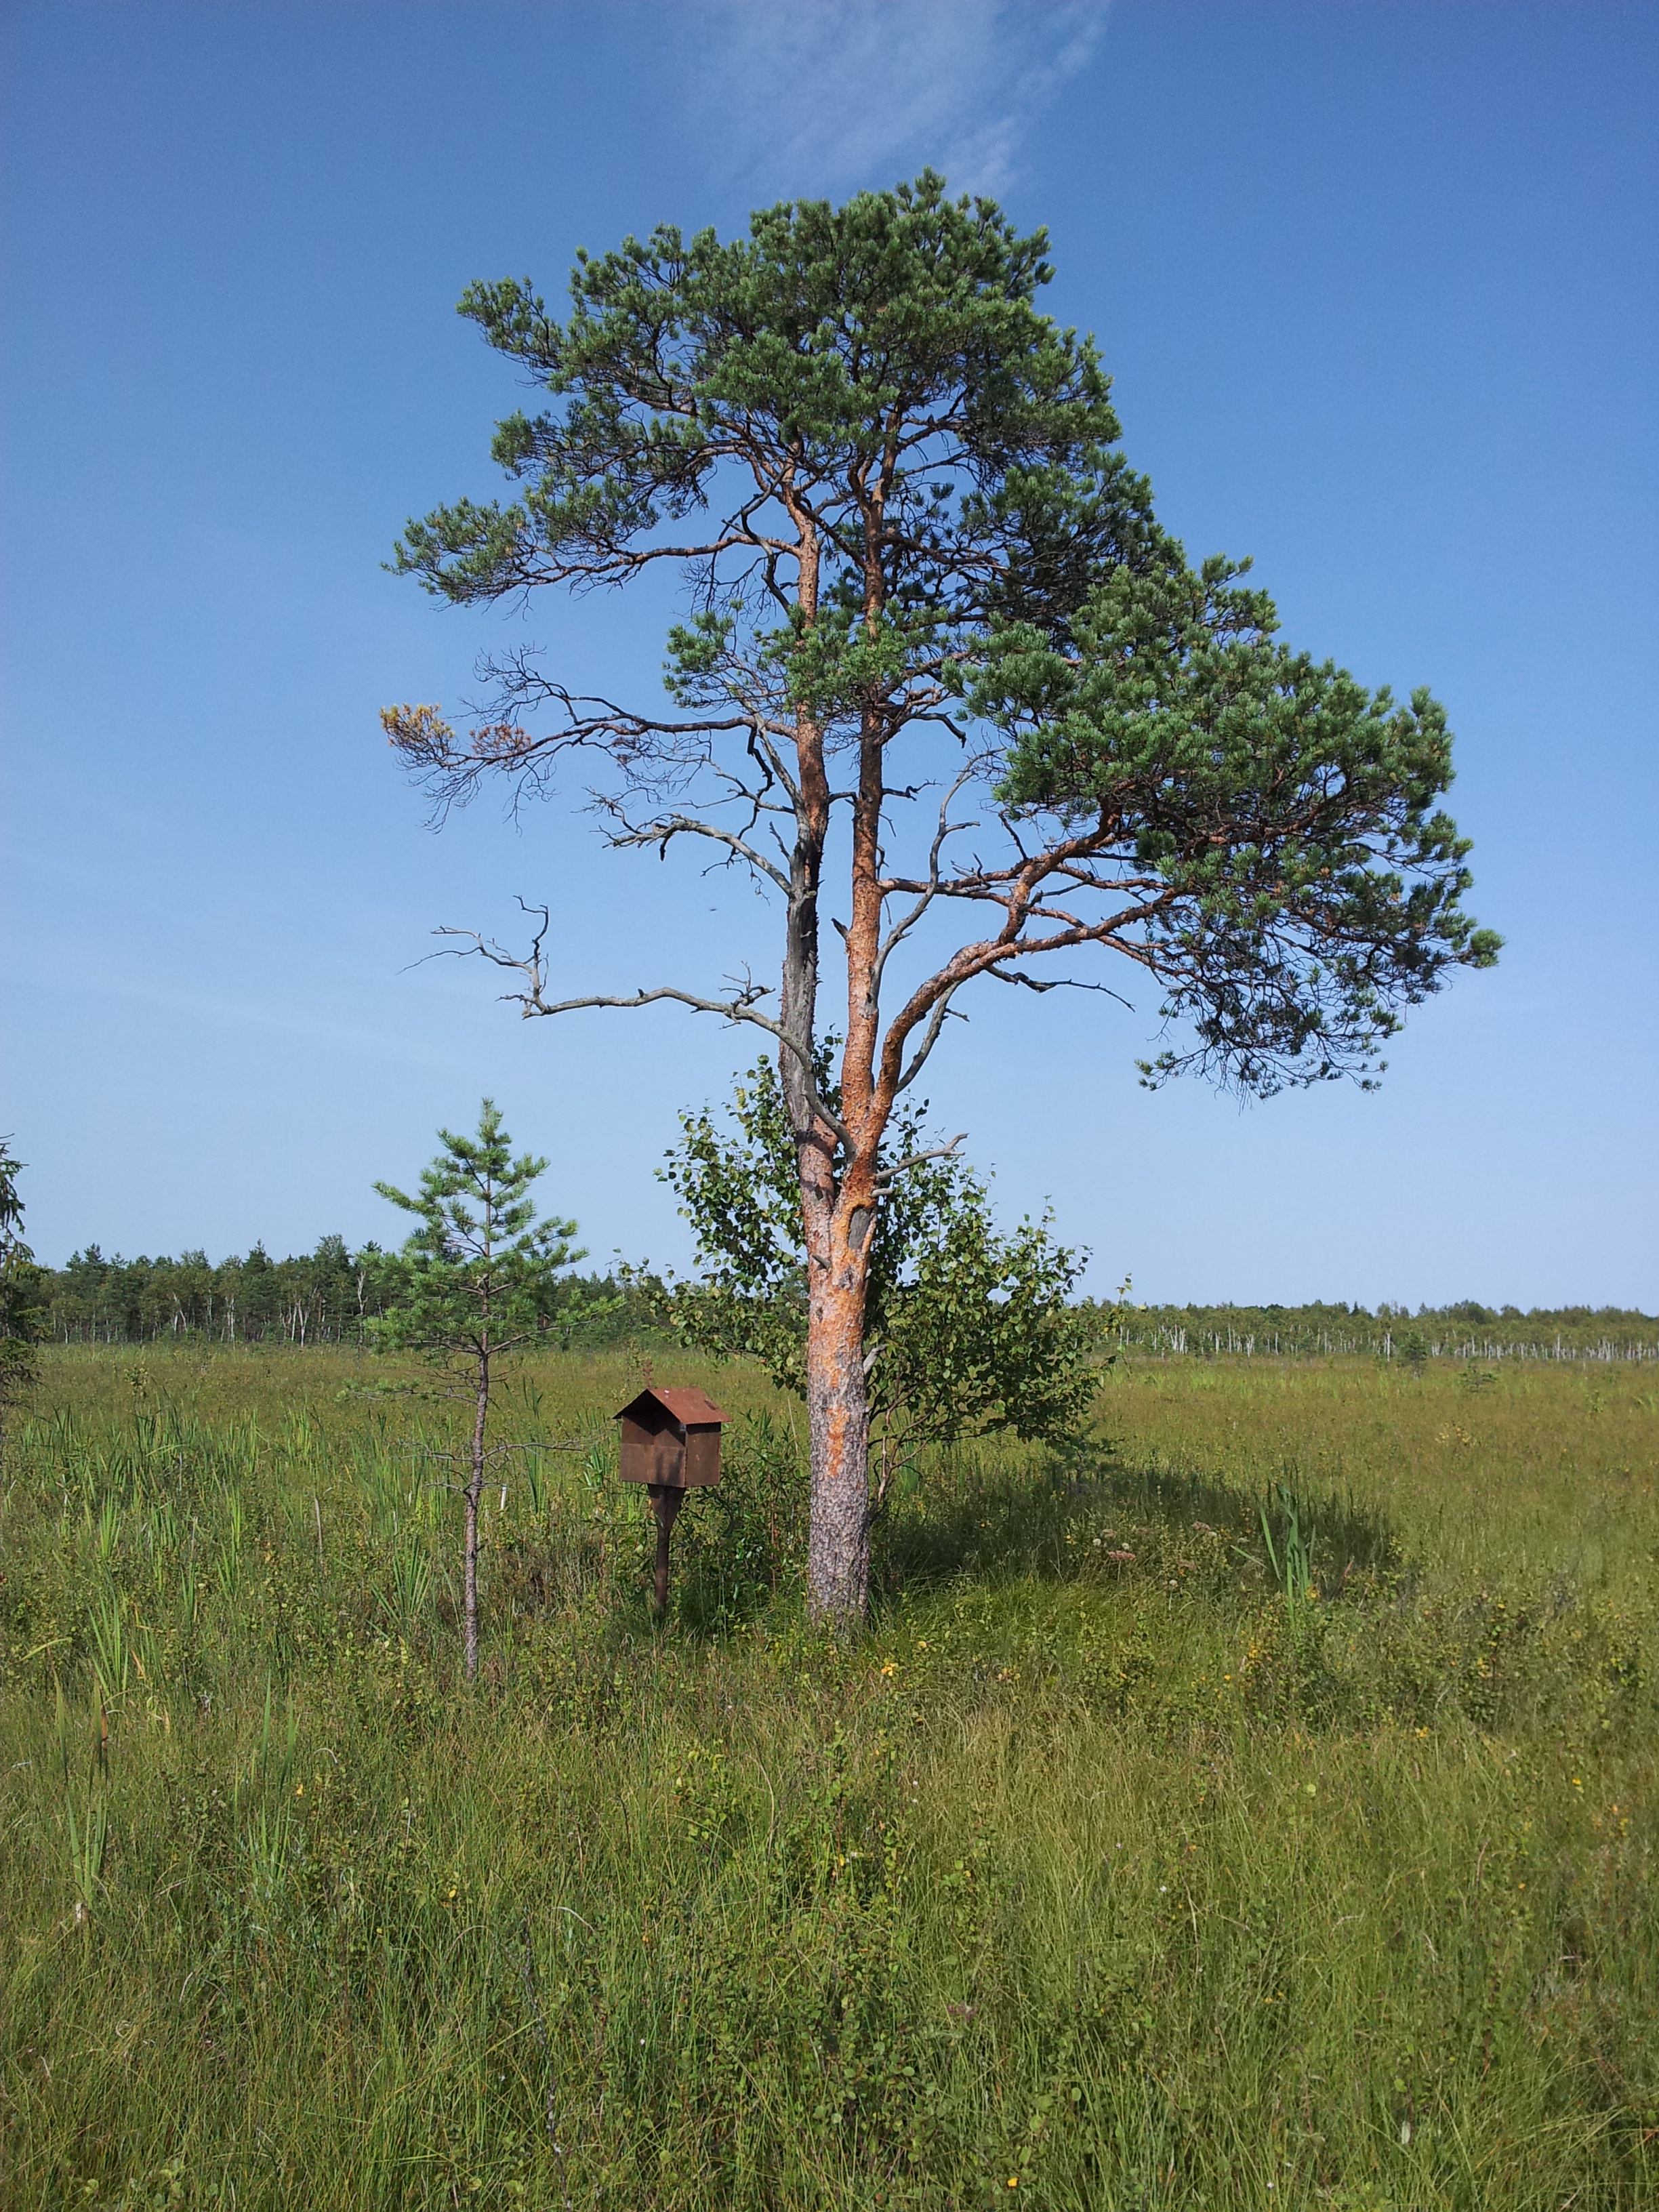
x=326, y=1296
x=1464, y=1332
x=330, y=1296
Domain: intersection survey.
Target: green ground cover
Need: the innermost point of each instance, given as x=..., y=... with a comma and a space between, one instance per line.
x=1137, y=1858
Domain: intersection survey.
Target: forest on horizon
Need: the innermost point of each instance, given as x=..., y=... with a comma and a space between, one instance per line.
x=332, y=1294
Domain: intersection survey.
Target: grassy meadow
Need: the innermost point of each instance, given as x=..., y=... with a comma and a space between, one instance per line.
x=1137, y=1858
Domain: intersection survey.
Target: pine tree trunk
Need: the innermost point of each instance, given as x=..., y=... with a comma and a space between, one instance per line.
x=836, y=1214
x=838, y=1419
x=838, y=1416
x=469, y=1563
x=470, y=1582
x=838, y=1217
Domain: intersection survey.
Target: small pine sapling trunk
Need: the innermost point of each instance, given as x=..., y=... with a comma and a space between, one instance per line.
x=480, y=1282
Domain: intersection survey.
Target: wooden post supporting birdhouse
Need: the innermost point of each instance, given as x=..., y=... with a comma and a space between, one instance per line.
x=670, y=1442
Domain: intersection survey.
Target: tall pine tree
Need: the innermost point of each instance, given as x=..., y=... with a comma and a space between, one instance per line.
x=931, y=603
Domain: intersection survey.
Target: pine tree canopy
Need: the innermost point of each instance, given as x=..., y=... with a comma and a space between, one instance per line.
x=480, y=1274
x=897, y=494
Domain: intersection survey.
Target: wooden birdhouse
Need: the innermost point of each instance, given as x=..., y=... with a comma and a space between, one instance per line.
x=670, y=1442
x=671, y=1439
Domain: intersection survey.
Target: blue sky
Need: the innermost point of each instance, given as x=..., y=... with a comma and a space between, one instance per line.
x=1375, y=282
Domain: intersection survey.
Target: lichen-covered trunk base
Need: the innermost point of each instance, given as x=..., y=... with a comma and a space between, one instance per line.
x=838, y=1416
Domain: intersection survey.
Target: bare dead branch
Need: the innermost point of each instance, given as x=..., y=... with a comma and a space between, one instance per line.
x=662, y=834
x=740, y=1007
x=1057, y=983
x=887, y=1176
x=930, y=1037
x=927, y=894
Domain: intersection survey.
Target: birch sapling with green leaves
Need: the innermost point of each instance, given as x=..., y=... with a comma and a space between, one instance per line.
x=968, y=1331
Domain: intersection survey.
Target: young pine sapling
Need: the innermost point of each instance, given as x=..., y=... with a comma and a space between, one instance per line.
x=480, y=1282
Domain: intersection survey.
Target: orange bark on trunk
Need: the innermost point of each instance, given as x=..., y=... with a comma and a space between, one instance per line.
x=838, y=1416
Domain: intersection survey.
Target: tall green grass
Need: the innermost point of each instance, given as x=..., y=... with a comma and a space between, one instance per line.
x=1253, y=1809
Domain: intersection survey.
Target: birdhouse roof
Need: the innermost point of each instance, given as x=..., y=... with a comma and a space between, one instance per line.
x=691, y=1408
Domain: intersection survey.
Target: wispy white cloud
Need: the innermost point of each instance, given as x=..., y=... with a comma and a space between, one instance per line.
x=826, y=94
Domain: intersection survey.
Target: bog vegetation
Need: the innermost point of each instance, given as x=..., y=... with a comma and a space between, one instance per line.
x=1252, y=1806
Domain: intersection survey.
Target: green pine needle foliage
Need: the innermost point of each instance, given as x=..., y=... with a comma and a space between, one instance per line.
x=1257, y=831
x=480, y=1275
x=1291, y=937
